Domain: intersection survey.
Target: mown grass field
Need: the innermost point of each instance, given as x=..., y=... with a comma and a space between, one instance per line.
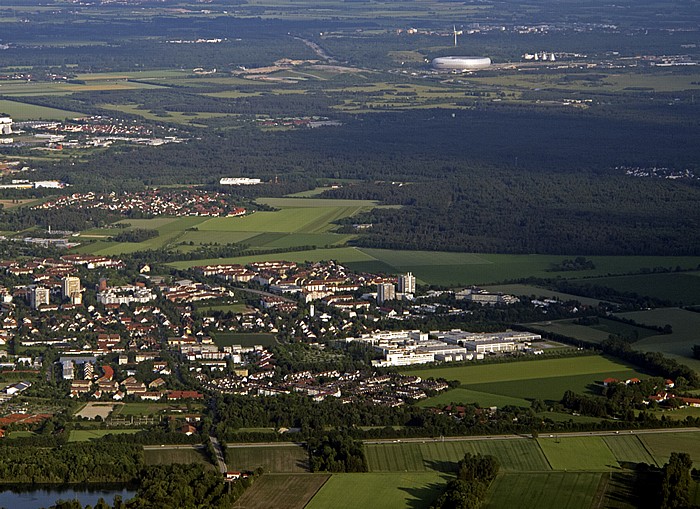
x=629, y=448
x=463, y=395
x=442, y=456
x=22, y=111
x=578, y=453
x=179, y=456
x=139, y=409
x=290, y=491
x=549, y=490
x=83, y=435
x=661, y=445
x=282, y=459
x=388, y=491
x=594, y=365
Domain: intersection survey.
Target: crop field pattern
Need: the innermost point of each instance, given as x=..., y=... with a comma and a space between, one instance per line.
x=281, y=491
x=291, y=459
x=553, y=490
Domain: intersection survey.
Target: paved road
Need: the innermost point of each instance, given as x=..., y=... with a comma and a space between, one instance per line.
x=219, y=454
x=217, y=446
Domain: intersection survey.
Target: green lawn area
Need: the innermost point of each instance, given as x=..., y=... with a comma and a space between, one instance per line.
x=243, y=339
x=578, y=453
x=551, y=388
x=383, y=490
x=82, y=435
x=22, y=111
x=547, y=490
x=462, y=395
x=590, y=333
x=526, y=370
x=237, y=307
x=282, y=459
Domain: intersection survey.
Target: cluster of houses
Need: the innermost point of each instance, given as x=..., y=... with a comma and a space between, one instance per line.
x=387, y=390
x=157, y=202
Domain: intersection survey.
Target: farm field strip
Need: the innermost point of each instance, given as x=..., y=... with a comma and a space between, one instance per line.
x=513, y=455
x=466, y=396
x=629, y=448
x=661, y=445
x=589, y=454
x=527, y=370
x=272, y=459
x=290, y=491
x=544, y=490
x=83, y=435
x=388, y=491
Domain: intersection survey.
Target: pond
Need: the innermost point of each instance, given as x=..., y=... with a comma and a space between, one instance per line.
x=47, y=496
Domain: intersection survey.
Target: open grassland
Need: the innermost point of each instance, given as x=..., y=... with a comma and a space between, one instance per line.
x=243, y=339
x=526, y=370
x=677, y=345
x=578, y=453
x=629, y=449
x=83, y=435
x=550, y=490
x=681, y=287
x=180, y=456
x=288, y=220
x=281, y=459
x=661, y=445
x=301, y=202
x=168, y=116
x=22, y=111
x=388, y=491
x=551, y=388
x=290, y=491
x=442, y=456
x=462, y=395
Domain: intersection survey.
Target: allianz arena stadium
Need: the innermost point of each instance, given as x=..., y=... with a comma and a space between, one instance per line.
x=460, y=63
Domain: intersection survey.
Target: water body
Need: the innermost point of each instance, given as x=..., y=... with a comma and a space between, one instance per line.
x=45, y=497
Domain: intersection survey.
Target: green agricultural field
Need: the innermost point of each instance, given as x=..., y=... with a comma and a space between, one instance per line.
x=629, y=449
x=570, y=329
x=681, y=287
x=677, y=345
x=282, y=491
x=287, y=220
x=292, y=240
x=442, y=456
x=661, y=445
x=23, y=111
x=82, y=435
x=578, y=453
x=525, y=370
x=465, y=396
x=167, y=456
x=388, y=491
x=243, y=339
x=275, y=459
x=551, y=490
x=551, y=388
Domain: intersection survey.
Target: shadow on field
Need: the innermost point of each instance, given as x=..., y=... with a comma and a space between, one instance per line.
x=448, y=467
x=423, y=496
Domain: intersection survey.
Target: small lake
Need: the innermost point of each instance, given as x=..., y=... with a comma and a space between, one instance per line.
x=45, y=497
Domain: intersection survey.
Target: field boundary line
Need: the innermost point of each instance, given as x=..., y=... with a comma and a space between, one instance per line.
x=604, y=481
x=319, y=489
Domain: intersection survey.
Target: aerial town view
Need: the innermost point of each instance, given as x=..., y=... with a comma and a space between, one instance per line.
x=349, y=254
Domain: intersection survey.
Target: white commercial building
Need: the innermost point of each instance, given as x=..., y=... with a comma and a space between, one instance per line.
x=239, y=181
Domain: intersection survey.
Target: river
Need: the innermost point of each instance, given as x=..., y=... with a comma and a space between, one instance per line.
x=45, y=497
